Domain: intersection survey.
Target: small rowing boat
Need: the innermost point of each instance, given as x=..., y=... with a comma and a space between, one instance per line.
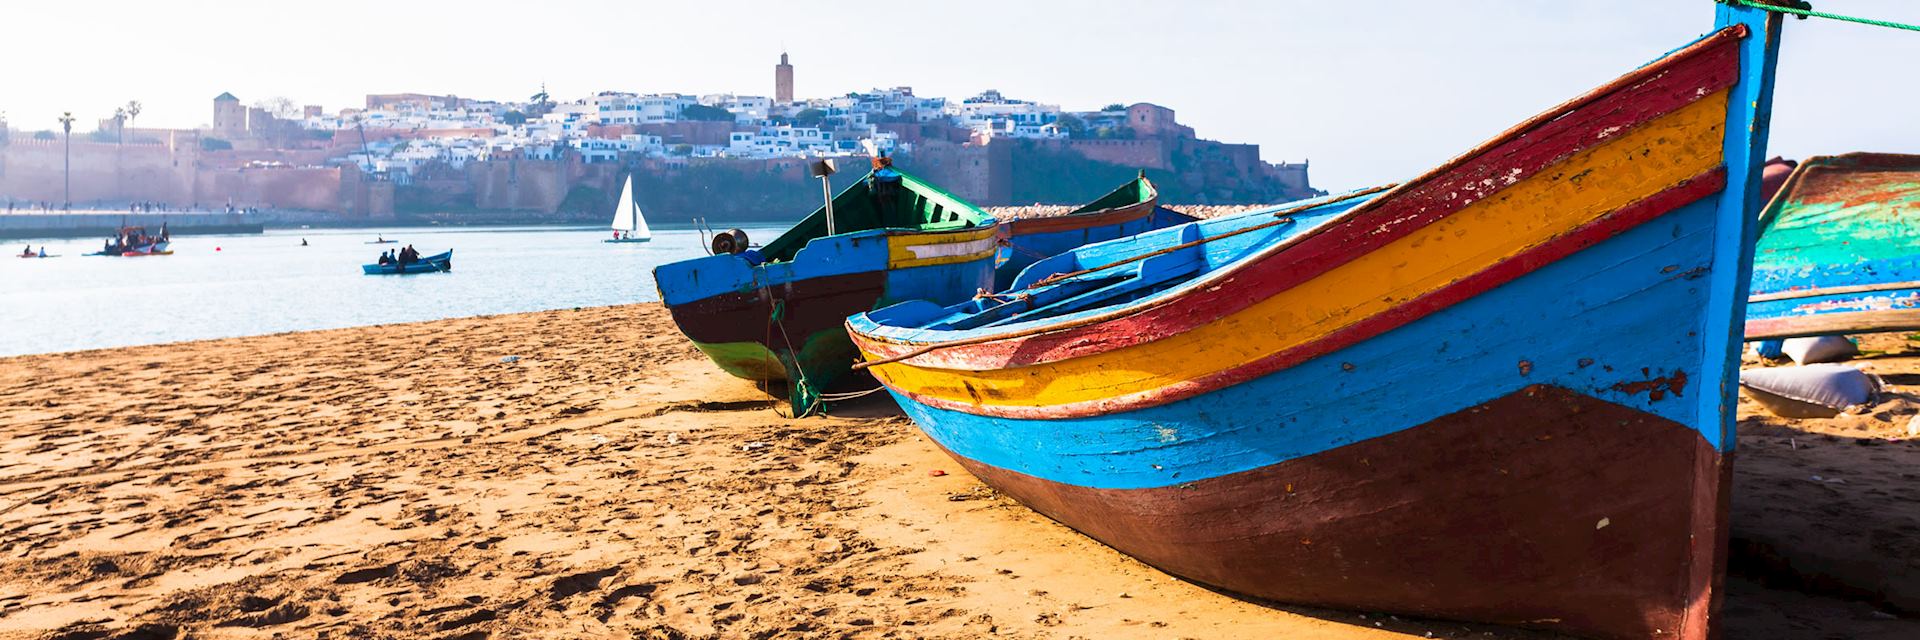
x=1130, y=209
x=134, y=242
x=437, y=263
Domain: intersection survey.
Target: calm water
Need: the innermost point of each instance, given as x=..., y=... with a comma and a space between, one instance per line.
x=223, y=286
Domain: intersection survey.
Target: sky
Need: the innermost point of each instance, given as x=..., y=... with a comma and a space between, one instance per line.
x=1369, y=91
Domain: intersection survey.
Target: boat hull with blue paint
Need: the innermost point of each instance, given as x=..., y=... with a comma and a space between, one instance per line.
x=1131, y=209
x=776, y=314
x=437, y=263
x=1499, y=392
x=1839, y=250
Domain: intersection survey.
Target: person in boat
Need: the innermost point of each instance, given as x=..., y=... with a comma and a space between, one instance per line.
x=28, y=251
x=386, y=258
x=303, y=242
x=885, y=187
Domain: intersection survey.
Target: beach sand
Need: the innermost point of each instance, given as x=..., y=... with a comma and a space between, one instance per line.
x=542, y=475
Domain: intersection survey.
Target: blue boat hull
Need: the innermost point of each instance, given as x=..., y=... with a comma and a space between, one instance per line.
x=438, y=263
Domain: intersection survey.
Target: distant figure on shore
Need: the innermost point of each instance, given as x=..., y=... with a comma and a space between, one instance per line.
x=885, y=187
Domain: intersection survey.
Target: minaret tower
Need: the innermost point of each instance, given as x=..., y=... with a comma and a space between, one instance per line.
x=783, y=81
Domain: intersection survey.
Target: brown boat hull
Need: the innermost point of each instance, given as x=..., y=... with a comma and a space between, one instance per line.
x=1545, y=508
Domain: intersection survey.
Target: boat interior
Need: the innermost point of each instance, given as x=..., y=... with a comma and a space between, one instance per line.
x=919, y=207
x=1131, y=193
x=1174, y=257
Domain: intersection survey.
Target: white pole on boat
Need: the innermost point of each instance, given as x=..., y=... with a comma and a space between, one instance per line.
x=821, y=169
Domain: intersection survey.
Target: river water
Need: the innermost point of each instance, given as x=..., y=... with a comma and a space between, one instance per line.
x=225, y=286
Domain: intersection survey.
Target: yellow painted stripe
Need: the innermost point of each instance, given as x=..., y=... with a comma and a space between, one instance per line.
x=906, y=250
x=1561, y=198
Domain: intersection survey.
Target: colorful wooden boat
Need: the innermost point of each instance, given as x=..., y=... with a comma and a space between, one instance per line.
x=1499, y=392
x=135, y=242
x=1131, y=209
x=1839, y=249
x=437, y=263
x=775, y=314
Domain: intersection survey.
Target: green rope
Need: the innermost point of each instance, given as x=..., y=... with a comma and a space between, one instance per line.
x=1804, y=10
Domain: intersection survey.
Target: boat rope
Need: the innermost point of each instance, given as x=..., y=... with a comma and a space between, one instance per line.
x=803, y=388
x=838, y=397
x=1805, y=10
x=1004, y=242
x=1282, y=216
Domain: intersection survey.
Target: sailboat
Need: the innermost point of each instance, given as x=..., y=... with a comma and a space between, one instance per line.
x=628, y=224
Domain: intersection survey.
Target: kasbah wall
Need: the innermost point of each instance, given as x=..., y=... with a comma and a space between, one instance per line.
x=981, y=174
x=179, y=173
x=516, y=184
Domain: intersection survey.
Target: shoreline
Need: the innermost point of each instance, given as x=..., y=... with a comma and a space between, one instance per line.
x=104, y=222
x=540, y=473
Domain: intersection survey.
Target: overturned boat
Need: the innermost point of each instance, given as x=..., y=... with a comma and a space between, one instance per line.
x=1837, y=249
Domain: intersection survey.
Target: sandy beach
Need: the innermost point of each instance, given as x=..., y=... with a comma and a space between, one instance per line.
x=544, y=476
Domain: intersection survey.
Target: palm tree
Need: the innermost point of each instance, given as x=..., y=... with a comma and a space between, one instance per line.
x=120, y=125
x=133, y=111
x=66, y=124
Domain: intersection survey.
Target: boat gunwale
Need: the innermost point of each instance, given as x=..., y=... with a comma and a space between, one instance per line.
x=1073, y=220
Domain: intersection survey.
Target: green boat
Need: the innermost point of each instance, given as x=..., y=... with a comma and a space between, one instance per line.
x=777, y=313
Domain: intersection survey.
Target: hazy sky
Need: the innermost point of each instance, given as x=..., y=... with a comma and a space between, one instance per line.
x=1370, y=90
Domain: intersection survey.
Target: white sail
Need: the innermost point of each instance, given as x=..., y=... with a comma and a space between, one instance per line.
x=626, y=215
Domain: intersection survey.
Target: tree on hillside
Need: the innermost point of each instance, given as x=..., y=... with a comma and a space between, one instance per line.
x=1114, y=107
x=1073, y=125
x=280, y=107
x=133, y=111
x=706, y=113
x=539, y=104
x=809, y=117
x=514, y=118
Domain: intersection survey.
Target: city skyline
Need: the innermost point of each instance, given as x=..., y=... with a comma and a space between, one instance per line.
x=1357, y=96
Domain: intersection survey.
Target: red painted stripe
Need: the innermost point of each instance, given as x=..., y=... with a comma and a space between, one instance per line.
x=1506, y=271
x=1680, y=80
